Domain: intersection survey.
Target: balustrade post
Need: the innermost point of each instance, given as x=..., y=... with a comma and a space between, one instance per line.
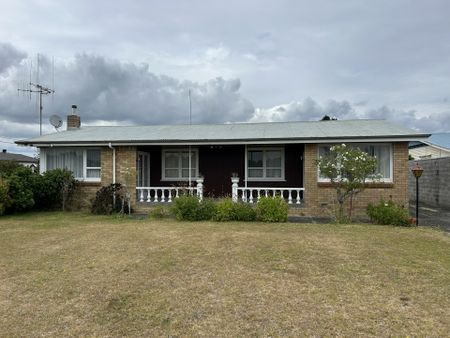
x=200, y=181
x=234, y=188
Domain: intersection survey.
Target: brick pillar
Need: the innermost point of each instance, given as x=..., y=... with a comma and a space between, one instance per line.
x=310, y=178
x=126, y=169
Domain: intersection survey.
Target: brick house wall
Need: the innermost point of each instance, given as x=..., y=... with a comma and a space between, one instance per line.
x=125, y=174
x=320, y=198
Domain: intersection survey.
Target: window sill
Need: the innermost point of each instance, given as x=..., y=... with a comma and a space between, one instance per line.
x=369, y=185
x=90, y=183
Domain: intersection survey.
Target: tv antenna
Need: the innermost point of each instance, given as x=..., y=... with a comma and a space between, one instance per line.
x=56, y=121
x=39, y=89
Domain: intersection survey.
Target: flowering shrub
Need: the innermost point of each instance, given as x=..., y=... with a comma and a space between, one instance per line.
x=348, y=169
x=388, y=213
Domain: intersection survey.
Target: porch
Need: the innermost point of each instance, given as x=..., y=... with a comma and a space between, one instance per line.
x=243, y=172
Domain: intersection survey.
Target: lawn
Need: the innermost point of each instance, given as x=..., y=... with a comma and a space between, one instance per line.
x=75, y=274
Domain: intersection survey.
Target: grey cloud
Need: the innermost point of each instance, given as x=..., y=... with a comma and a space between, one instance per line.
x=306, y=110
x=9, y=56
x=432, y=123
x=109, y=90
x=310, y=110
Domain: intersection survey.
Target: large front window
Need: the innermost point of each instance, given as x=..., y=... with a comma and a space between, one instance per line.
x=265, y=164
x=85, y=164
x=175, y=164
x=382, y=152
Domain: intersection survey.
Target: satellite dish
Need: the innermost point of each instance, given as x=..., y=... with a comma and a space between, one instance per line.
x=56, y=121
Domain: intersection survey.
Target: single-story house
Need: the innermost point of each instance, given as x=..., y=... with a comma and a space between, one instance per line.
x=436, y=146
x=24, y=160
x=242, y=160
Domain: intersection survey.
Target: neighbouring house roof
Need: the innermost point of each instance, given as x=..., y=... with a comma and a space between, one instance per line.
x=272, y=132
x=441, y=140
x=437, y=145
x=5, y=156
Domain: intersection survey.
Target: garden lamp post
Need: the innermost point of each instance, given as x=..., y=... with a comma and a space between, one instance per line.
x=417, y=171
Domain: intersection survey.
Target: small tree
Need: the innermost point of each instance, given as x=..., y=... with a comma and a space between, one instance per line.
x=348, y=169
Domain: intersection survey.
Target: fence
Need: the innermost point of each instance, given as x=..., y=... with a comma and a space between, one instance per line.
x=434, y=184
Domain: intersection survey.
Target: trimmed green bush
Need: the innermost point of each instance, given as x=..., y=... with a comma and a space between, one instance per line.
x=21, y=183
x=8, y=167
x=388, y=213
x=189, y=208
x=27, y=190
x=227, y=210
x=52, y=189
x=272, y=209
x=5, y=200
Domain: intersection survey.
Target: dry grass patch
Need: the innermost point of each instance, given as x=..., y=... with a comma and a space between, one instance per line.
x=81, y=275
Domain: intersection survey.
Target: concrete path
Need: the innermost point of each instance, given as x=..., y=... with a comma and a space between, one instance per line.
x=431, y=216
x=427, y=217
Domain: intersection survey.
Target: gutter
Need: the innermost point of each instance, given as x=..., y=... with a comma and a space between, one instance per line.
x=233, y=142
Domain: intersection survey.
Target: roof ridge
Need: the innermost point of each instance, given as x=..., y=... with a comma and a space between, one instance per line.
x=231, y=123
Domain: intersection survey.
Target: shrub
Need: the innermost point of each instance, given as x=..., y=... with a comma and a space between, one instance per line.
x=388, y=213
x=272, y=209
x=103, y=203
x=5, y=200
x=189, y=208
x=244, y=212
x=224, y=210
x=8, y=167
x=20, y=189
x=227, y=210
x=53, y=188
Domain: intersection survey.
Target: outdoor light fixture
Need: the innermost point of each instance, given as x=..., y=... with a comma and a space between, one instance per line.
x=417, y=171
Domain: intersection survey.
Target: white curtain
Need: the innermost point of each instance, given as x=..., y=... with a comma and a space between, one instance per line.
x=69, y=159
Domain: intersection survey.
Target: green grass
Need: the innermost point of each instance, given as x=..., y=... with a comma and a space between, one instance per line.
x=73, y=274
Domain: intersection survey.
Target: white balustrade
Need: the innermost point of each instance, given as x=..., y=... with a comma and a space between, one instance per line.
x=250, y=194
x=164, y=194
x=168, y=194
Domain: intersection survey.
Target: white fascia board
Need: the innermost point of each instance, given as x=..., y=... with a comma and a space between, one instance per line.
x=237, y=142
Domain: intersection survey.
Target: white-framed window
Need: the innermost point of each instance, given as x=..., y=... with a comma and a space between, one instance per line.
x=381, y=151
x=175, y=164
x=84, y=163
x=265, y=164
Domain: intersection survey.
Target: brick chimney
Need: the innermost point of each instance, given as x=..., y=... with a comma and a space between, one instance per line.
x=73, y=120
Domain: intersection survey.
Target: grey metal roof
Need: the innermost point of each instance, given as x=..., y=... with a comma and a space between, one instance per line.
x=5, y=156
x=313, y=131
x=440, y=139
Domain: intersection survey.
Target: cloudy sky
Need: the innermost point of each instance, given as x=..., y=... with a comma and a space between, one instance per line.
x=134, y=62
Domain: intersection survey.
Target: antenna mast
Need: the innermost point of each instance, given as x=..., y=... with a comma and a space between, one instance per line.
x=39, y=89
x=190, y=107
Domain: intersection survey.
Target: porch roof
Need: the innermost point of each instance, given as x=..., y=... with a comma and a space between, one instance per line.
x=272, y=132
